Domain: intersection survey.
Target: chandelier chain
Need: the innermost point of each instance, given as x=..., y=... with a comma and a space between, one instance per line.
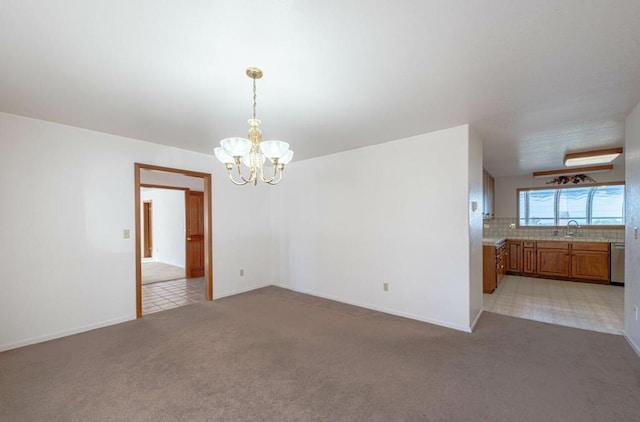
x=254, y=97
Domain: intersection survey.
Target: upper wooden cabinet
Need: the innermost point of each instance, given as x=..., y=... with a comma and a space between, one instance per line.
x=488, y=195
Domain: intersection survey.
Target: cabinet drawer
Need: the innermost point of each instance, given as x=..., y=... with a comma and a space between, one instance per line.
x=590, y=246
x=527, y=243
x=553, y=245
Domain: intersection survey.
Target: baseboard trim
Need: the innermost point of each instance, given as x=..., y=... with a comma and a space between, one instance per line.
x=634, y=346
x=65, y=333
x=475, y=321
x=381, y=309
x=239, y=291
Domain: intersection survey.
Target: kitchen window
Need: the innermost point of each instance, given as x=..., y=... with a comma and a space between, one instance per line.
x=593, y=205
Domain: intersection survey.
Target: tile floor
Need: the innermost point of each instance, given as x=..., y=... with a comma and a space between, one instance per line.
x=171, y=294
x=593, y=307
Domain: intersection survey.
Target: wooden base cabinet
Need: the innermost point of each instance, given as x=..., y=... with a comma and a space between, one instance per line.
x=579, y=261
x=528, y=257
x=553, y=259
x=493, y=266
x=590, y=261
x=514, y=257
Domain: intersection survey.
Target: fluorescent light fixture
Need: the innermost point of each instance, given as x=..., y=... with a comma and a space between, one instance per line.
x=579, y=170
x=592, y=157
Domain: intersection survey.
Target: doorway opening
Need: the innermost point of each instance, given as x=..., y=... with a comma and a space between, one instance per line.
x=163, y=249
x=195, y=236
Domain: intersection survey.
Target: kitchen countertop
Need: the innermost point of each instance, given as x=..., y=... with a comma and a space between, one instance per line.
x=494, y=241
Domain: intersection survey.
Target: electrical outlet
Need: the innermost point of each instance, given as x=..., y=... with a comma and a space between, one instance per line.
x=241, y=273
x=635, y=232
x=486, y=226
x=635, y=308
x=126, y=234
x=512, y=225
x=385, y=287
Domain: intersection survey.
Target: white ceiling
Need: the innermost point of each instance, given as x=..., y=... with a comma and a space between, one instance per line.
x=535, y=78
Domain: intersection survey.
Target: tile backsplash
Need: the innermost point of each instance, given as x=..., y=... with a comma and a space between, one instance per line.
x=502, y=227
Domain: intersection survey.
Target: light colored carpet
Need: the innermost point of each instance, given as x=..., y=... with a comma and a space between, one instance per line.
x=153, y=272
x=275, y=355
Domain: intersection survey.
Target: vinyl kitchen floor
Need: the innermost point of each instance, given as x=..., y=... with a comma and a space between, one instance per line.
x=593, y=307
x=171, y=294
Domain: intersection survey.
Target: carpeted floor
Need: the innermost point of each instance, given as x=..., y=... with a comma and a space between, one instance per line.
x=153, y=272
x=276, y=355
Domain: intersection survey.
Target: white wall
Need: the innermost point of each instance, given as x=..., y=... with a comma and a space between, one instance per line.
x=396, y=212
x=506, y=188
x=475, y=226
x=167, y=224
x=68, y=193
x=632, y=245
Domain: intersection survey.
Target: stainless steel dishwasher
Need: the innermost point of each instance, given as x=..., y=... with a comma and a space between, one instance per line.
x=617, y=263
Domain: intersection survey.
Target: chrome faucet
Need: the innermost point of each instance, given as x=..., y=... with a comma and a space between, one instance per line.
x=569, y=231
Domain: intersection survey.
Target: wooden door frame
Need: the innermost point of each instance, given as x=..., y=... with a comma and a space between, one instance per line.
x=208, y=227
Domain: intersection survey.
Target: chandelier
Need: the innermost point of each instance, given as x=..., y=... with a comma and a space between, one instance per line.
x=254, y=152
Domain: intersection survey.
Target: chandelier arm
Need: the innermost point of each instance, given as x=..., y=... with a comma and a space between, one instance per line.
x=275, y=173
x=272, y=182
x=250, y=179
x=244, y=182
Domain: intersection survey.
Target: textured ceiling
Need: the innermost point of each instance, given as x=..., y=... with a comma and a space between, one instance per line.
x=535, y=78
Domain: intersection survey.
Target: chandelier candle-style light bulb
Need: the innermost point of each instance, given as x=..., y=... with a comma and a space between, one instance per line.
x=253, y=152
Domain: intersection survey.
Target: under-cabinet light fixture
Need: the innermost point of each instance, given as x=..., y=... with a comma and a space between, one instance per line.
x=579, y=170
x=586, y=158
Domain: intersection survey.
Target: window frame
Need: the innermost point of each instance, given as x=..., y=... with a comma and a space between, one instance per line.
x=589, y=201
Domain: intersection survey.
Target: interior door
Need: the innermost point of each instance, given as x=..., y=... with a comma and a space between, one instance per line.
x=147, y=241
x=195, y=233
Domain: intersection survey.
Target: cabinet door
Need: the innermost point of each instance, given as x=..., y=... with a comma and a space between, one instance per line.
x=528, y=261
x=488, y=195
x=500, y=264
x=553, y=262
x=590, y=265
x=489, y=269
x=514, y=257
x=492, y=196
